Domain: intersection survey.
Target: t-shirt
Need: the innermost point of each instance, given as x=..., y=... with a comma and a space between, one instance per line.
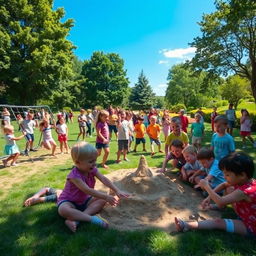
x=28, y=126
x=193, y=166
x=140, y=130
x=222, y=145
x=61, y=128
x=183, y=137
x=230, y=113
x=82, y=120
x=9, y=141
x=153, y=131
x=71, y=192
x=246, y=125
x=184, y=123
x=218, y=176
x=47, y=133
x=247, y=210
x=198, y=129
x=104, y=130
x=123, y=130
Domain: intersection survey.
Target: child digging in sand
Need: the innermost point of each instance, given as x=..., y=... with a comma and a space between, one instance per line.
x=238, y=169
x=79, y=201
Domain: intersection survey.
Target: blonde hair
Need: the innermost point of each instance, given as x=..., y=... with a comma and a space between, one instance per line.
x=100, y=114
x=82, y=150
x=8, y=128
x=190, y=150
x=198, y=115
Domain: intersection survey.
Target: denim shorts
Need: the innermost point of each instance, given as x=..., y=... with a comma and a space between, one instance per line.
x=112, y=128
x=29, y=137
x=139, y=140
x=157, y=141
x=80, y=207
x=101, y=145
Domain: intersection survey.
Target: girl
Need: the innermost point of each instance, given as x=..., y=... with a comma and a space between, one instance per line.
x=213, y=115
x=6, y=116
x=79, y=201
x=70, y=115
x=48, y=141
x=62, y=131
x=245, y=127
x=238, y=169
x=11, y=148
x=166, y=124
x=82, y=123
x=102, y=139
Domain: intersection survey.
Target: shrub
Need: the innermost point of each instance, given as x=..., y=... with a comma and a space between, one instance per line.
x=176, y=108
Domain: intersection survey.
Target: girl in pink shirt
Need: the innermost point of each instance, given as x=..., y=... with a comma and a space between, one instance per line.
x=79, y=201
x=238, y=169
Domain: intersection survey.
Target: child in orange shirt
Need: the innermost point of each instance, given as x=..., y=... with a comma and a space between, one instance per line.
x=153, y=132
x=140, y=131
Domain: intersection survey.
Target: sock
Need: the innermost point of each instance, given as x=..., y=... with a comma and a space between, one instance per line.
x=99, y=221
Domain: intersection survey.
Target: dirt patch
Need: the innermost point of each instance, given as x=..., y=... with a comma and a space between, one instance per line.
x=154, y=202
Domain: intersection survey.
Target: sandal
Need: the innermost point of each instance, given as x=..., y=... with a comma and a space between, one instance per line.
x=182, y=226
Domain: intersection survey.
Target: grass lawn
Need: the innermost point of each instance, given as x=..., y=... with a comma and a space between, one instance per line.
x=38, y=230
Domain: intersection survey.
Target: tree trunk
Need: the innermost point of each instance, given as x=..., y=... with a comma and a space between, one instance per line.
x=253, y=80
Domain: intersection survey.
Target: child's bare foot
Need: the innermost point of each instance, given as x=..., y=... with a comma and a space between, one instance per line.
x=118, y=161
x=104, y=166
x=161, y=151
x=31, y=201
x=181, y=225
x=72, y=225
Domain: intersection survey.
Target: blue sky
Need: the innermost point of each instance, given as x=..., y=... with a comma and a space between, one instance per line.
x=151, y=35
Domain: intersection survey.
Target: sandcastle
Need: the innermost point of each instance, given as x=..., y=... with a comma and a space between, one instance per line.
x=155, y=199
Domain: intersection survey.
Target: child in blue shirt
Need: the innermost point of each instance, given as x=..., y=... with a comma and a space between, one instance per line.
x=222, y=143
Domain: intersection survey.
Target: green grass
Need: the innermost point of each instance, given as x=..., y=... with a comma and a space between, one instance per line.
x=38, y=230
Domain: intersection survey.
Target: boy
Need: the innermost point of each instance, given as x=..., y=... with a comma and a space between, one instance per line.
x=140, y=131
x=197, y=131
x=211, y=168
x=222, y=143
x=175, y=155
x=153, y=132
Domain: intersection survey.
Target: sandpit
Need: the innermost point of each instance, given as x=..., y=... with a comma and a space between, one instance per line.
x=154, y=202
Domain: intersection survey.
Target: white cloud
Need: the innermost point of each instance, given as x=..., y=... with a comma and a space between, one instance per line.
x=162, y=86
x=180, y=53
x=163, y=62
x=160, y=89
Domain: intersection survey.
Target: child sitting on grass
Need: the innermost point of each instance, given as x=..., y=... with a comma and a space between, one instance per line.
x=79, y=201
x=175, y=155
x=11, y=147
x=238, y=169
x=192, y=164
x=153, y=131
x=211, y=170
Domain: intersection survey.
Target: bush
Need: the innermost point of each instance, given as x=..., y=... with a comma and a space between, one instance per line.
x=176, y=108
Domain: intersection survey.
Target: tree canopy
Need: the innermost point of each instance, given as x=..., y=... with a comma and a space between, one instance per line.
x=142, y=96
x=35, y=56
x=228, y=41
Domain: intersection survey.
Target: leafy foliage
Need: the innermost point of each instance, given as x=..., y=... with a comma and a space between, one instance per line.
x=142, y=96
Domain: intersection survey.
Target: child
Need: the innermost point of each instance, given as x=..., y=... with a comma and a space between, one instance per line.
x=231, y=117
x=211, y=169
x=140, y=131
x=89, y=122
x=62, y=131
x=82, y=123
x=48, y=141
x=197, y=132
x=175, y=155
x=245, y=127
x=11, y=147
x=28, y=126
x=123, y=136
x=192, y=164
x=238, y=169
x=176, y=134
x=79, y=201
x=183, y=120
x=131, y=129
x=166, y=124
x=6, y=116
x=102, y=139
x=153, y=132
x=213, y=115
x=44, y=195
x=222, y=143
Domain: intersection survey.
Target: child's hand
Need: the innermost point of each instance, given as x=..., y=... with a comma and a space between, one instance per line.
x=122, y=194
x=206, y=203
x=24, y=133
x=105, y=141
x=191, y=179
x=112, y=200
x=203, y=183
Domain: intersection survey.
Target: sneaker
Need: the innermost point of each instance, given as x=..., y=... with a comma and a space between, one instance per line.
x=14, y=164
x=33, y=150
x=26, y=152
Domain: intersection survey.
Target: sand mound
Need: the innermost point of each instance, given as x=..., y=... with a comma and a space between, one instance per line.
x=154, y=202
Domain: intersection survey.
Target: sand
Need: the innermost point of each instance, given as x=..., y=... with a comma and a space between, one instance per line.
x=155, y=199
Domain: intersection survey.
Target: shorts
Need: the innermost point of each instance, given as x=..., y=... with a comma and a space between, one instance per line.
x=196, y=140
x=245, y=133
x=51, y=195
x=51, y=141
x=11, y=149
x=131, y=138
x=231, y=124
x=112, y=128
x=62, y=138
x=29, y=137
x=101, y=145
x=122, y=144
x=80, y=207
x=139, y=140
x=157, y=141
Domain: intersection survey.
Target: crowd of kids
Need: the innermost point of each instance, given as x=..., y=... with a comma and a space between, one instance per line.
x=224, y=176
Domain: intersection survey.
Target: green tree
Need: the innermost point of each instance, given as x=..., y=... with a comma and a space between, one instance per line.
x=234, y=89
x=35, y=56
x=228, y=41
x=142, y=96
x=105, y=80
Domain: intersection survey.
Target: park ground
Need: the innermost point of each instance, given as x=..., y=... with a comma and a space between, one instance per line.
x=38, y=230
